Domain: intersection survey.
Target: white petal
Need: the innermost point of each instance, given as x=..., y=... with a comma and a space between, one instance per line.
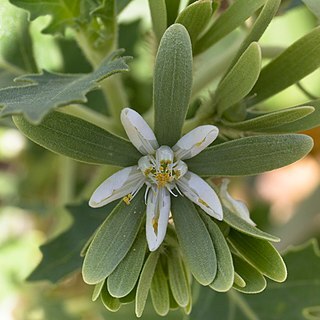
x=158, y=210
x=195, y=141
x=199, y=191
x=236, y=206
x=126, y=181
x=138, y=131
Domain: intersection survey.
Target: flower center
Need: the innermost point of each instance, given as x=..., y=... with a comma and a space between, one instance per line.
x=161, y=170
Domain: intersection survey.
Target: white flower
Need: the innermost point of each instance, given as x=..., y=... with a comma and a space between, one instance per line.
x=164, y=172
x=235, y=206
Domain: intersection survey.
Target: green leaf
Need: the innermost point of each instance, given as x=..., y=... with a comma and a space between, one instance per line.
x=251, y=155
x=301, y=289
x=82, y=140
x=63, y=12
x=260, y=25
x=194, y=240
x=158, y=12
x=123, y=279
x=172, y=10
x=233, y=17
x=240, y=79
x=313, y=6
x=97, y=290
x=238, y=281
x=225, y=272
x=271, y=121
x=195, y=18
x=160, y=291
x=261, y=254
x=243, y=226
x=144, y=283
x=254, y=280
x=113, y=240
x=292, y=65
x=310, y=121
x=61, y=256
x=172, y=84
x=112, y=304
x=177, y=278
x=47, y=91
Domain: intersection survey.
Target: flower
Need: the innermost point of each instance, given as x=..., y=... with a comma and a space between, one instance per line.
x=163, y=171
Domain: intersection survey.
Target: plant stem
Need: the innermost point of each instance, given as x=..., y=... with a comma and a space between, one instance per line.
x=242, y=305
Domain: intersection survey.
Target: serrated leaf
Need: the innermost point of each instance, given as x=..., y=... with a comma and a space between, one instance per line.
x=195, y=18
x=225, y=271
x=260, y=25
x=251, y=155
x=254, y=280
x=82, y=140
x=243, y=226
x=44, y=92
x=172, y=84
x=160, y=291
x=144, y=283
x=233, y=17
x=61, y=256
x=63, y=12
x=271, y=121
x=195, y=241
x=261, y=254
x=292, y=65
x=177, y=279
x=239, y=80
x=113, y=240
x=123, y=279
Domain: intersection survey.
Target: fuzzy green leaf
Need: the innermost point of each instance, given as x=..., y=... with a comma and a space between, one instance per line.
x=261, y=254
x=260, y=25
x=44, y=92
x=158, y=12
x=61, y=256
x=195, y=18
x=177, y=279
x=97, y=290
x=123, y=279
x=145, y=281
x=292, y=65
x=113, y=240
x=271, y=121
x=160, y=291
x=233, y=17
x=243, y=226
x=172, y=84
x=194, y=240
x=251, y=155
x=240, y=79
x=79, y=140
x=112, y=304
x=225, y=272
x=254, y=280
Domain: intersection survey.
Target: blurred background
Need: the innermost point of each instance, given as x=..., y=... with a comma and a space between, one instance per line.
x=35, y=184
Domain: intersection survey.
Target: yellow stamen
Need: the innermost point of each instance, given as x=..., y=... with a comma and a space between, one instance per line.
x=155, y=225
x=203, y=202
x=127, y=199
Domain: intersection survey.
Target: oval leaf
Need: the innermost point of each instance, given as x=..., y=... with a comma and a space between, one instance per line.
x=79, y=140
x=144, y=283
x=112, y=304
x=194, y=240
x=97, y=290
x=261, y=254
x=239, y=80
x=172, y=84
x=253, y=279
x=123, y=279
x=225, y=272
x=113, y=240
x=296, y=62
x=158, y=12
x=160, y=291
x=251, y=155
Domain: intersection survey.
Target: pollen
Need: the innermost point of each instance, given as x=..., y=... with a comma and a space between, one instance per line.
x=127, y=199
x=163, y=178
x=155, y=225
